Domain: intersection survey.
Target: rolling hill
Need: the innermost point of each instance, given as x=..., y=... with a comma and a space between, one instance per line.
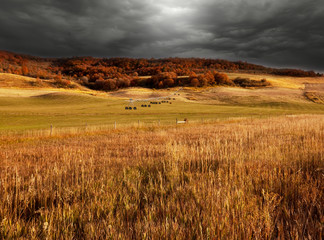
x=65, y=100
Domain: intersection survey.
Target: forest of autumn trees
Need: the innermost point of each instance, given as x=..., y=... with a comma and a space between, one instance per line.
x=115, y=73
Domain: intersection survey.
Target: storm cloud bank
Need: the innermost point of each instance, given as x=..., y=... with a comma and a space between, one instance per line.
x=281, y=33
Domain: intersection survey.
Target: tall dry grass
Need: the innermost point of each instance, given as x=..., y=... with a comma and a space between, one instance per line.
x=256, y=179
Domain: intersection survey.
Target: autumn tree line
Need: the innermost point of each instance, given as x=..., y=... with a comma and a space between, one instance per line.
x=116, y=73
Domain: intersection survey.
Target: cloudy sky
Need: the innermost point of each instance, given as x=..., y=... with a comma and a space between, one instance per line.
x=284, y=33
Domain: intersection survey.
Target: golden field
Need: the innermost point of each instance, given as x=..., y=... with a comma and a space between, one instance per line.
x=232, y=179
x=279, y=81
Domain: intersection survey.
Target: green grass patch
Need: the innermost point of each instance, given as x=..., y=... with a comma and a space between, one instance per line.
x=64, y=110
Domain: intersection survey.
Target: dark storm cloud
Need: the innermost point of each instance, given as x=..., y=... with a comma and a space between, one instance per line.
x=272, y=32
x=77, y=27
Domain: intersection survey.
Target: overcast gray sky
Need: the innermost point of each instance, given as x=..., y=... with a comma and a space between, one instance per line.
x=282, y=33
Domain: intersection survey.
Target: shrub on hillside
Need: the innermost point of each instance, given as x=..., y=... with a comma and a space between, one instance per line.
x=168, y=79
x=222, y=79
x=246, y=82
x=84, y=80
x=63, y=83
x=105, y=84
x=194, y=82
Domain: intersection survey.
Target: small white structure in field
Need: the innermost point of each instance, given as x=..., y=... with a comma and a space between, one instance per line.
x=184, y=121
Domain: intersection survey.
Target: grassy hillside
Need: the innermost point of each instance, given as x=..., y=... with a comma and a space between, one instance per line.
x=279, y=81
x=26, y=105
x=18, y=81
x=64, y=109
x=8, y=80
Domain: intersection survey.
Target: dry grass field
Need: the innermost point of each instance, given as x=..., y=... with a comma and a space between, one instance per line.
x=8, y=80
x=279, y=81
x=239, y=179
x=248, y=165
x=315, y=92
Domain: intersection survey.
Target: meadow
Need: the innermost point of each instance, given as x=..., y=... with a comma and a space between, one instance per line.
x=27, y=105
x=231, y=179
x=248, y=164
x=39, y=109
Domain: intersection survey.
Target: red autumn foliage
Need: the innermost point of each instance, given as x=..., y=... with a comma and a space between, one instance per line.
x=115, y=73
